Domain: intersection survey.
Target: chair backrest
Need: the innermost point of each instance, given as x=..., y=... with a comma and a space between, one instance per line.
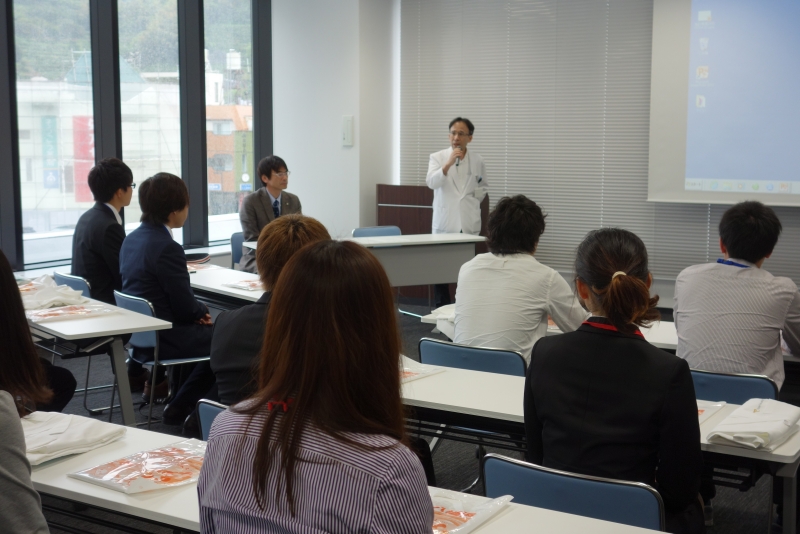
x=446, y=354
x=629, y=503
x=376, y=231
x=75, y=282
x=140, y=340
x=237, y=241
x=207, y=411
x=732, y=388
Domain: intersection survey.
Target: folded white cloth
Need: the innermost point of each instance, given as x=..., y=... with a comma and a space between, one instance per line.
x=43, y=293
x=50, y=435
x=762, y=424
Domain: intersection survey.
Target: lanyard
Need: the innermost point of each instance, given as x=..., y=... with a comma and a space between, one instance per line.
x=610, y=327
x=729, y=262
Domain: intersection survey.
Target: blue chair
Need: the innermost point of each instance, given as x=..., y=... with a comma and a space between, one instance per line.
x=629, y=503
x=732, y=388
x=376, y=231
x=149, y=341
x=88, y=348
x=237, y=242
x=447, y=354
x=207, y=411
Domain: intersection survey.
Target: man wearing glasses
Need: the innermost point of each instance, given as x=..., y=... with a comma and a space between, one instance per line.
x=99, y=233
x=265, y=205
x=458, y=179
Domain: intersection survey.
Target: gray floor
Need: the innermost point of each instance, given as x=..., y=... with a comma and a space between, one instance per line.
x=455, y=463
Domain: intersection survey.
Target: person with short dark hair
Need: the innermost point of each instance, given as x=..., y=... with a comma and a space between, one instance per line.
x=602, y=401
x=265, y=205
x=730, y=314
x=504, y=296
x=153, y=267
x=458, y=179
x=238, y=334
x=321, y=446
x=99, y=233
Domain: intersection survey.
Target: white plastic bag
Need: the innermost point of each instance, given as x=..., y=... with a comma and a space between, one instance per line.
x=43, y=293
x=68, y=312
x=461, y=513
x=246, y=285
x=167, y=467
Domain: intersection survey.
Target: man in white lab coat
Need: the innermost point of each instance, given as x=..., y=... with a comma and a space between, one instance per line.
x=458, y=179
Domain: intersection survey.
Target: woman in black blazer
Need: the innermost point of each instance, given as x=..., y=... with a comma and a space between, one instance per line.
x=602, y=401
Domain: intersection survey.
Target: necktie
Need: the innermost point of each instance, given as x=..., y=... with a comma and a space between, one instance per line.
x=276, y=208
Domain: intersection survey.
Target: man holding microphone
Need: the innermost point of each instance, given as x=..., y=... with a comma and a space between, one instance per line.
x=458, y=179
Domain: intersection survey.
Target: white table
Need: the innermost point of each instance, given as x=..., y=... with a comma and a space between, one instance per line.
x=458, y=396
x=179, y=507
x=114, y=325
x=208, y=285
x=176, y=507
x=419, y=259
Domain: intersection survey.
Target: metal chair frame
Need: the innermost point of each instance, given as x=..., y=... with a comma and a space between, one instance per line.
x=567, y=474
x=481, y=451
x=155, y=363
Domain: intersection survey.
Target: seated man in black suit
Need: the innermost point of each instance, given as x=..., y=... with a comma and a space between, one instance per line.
x=99, y=233
x=238, y=333
x=153, y=267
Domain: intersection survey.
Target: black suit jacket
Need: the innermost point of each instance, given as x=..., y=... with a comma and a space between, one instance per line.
x=153, y=267
x=96, y=244
x=235, y=349
x=608, y=404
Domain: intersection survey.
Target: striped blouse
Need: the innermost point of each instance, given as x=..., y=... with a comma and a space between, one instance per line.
x=338, y=488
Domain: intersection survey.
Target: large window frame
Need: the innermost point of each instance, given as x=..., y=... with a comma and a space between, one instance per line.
x=107, y=111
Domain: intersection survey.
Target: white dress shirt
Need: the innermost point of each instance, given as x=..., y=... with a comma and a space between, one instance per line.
x=503, y=301
x=116, y=213
x=729, y=319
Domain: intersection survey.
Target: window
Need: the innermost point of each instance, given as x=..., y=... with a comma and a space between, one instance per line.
x=229, y=112
x=55, y=115
x=148, y=72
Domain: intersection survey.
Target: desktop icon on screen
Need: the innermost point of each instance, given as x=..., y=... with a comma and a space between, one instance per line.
x=704, y=16
x=740, y=186
x=727, y=186
x=714, y=185
x=770, y=187
x=704, y=44
x=755, y=187
x=785, y=187
x=702, y=72
x=700, y=101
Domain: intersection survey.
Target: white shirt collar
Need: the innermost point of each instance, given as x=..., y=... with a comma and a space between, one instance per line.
x=169, y=230
x=116, y=213
x=273, y=199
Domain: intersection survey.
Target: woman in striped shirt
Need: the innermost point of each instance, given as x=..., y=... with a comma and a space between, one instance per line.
x=320, y=447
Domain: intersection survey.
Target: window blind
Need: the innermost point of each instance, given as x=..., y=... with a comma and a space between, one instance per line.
x=559, y=92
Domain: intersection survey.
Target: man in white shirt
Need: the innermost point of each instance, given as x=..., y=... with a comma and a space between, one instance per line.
x=730, y=314
x=504, y=296
x=458, y=179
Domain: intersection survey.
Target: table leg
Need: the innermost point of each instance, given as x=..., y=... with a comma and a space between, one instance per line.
x=790, y=504
x=125, y=399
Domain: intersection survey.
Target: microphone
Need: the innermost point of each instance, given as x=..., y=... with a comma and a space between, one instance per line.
x=458, y=160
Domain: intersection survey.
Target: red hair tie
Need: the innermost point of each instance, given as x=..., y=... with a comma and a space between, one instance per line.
x=283, y=404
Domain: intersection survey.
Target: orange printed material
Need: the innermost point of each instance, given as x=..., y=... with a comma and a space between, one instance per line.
x=170, y=466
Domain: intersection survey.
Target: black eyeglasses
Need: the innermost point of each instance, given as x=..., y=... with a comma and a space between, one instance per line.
x=133, y=185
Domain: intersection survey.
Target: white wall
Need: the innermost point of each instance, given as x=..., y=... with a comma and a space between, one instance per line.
x=331, y=59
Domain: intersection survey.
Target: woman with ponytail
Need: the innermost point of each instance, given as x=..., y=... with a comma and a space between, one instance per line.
x=602, y=401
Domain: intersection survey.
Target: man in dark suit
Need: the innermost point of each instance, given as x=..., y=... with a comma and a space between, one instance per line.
x=99, y=233
x=265, y=205
x=153, y=267
x=238, y=334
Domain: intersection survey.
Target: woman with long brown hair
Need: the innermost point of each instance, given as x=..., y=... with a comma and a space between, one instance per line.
x=602, y=401
x=22, y=387
x=320, y=448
